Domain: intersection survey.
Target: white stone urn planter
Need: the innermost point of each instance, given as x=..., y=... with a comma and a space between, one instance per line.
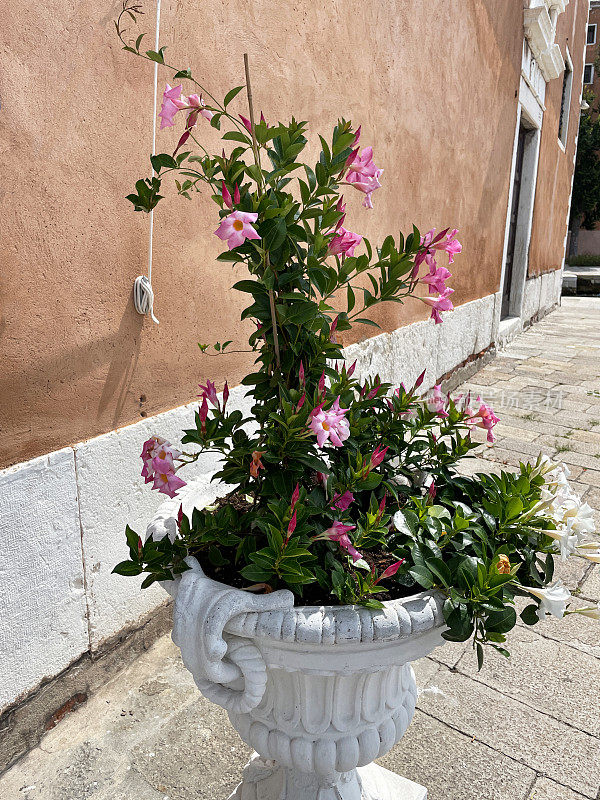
x=318, y=692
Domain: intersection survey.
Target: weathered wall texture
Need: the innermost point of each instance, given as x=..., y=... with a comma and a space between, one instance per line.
x=434, y=86
x=555, y=170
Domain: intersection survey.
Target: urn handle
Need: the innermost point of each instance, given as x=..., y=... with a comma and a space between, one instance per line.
x=228, y=669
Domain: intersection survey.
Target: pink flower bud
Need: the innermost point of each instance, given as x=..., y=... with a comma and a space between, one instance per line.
x=225, y=395
x=382, y=507
x=203, y=414
x=351, y=369
x=377, y=457
x=391, y=570
x=236, y=195
x=295, y=495
x=292, y=525
x=226, y=195
x=333, y=328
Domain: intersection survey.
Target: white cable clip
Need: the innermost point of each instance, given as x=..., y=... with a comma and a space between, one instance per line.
x=143, y=297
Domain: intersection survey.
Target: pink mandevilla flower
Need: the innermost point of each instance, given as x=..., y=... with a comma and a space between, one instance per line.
x=165, y=479
x=168, y=108
x=363, y=174
x=344, y=243
x=330, y=425
x=210, y=393
x=427, y=253
x=226, y=195
x=332, y=336
x=436, y=279
x=157, y=447
x=173, y=101
x=485, y=418
x=338, y=532
x=449, y=243
x=236, y=228
x=437, y=401
x=343, y=501
x=322, y=479
x=440, y=303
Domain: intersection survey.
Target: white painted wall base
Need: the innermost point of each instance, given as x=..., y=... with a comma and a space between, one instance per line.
x=64, y=514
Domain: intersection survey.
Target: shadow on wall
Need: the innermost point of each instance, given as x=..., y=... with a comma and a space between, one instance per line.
x=123, y=363
x=118, y=350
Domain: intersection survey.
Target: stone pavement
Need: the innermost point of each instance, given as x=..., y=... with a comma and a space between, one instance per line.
x=527, y=728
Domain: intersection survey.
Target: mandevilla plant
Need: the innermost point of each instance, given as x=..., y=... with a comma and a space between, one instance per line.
x=343, y=490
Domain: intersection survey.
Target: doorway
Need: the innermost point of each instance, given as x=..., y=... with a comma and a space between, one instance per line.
x=521, y=217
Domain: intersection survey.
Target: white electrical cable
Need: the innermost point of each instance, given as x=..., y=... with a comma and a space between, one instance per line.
x=143, y=296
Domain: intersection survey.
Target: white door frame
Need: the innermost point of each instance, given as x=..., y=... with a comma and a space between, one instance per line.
x=530, y=113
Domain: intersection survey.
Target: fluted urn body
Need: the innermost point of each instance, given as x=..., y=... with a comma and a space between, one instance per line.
x=318, y=692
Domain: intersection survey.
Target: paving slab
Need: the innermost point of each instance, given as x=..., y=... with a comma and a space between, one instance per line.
x=550, y=747
x=462, y=769
x=545, y=675
x=545, y=789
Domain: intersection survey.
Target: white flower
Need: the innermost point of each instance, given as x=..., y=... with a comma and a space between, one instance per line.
x=566, y=540
x=589, y=611
x=581, y=514
x=590, y=550
x=554, y=599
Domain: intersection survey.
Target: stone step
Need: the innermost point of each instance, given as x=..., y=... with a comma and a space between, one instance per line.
x=581, y=280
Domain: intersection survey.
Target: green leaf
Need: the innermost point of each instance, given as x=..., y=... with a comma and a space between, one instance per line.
x=163, y=160
x=237, y=136
x=407, y=522
x=514, y=507
x=148, y=581
x=529, y=615
x=467, y=571
x=501, y=621
x=156, y=56
x=127, y=568
x=351, y=299
x=479, y=656
x=368, y=322
x=440, y=570
x=273, y=232
x=422, y=576
x=231, y=94
x=372, y=480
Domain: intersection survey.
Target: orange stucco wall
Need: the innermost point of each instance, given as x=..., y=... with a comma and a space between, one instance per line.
x=434, y=85
x=555, y=169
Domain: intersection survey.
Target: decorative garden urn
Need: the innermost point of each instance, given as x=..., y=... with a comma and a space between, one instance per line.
x=319, y=692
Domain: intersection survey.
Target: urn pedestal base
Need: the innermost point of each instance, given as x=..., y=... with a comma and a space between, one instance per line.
x=266, y=780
